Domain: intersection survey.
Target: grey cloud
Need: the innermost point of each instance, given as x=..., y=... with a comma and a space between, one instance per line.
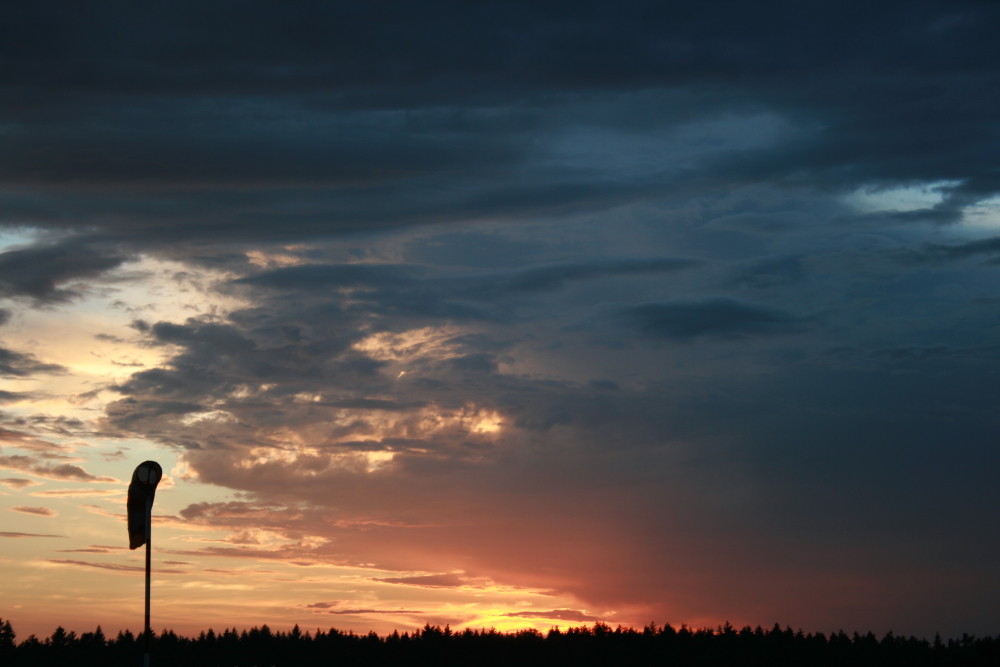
x=229, y=510
x=63, y=471
x=40, y=272
x=17, y=482
x=38, y=511
x=322, y=605
x=770, y=272
x=130, y=410
x=721, y=317
x=325, y=277
x=940, y=253
x=286, y=140
x=9, y=534
x=540, y=278
x=20, y=364
x=406, y=292
x=916, y=353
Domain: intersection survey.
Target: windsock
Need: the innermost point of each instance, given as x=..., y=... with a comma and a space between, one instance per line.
x=140, y=501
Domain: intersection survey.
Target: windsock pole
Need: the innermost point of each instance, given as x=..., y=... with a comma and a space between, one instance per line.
x=149, y=539
x=140, y=527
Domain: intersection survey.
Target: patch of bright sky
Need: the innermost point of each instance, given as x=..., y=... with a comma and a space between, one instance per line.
x=983, y=216
x=908, y=198
x=406, y=346
x=14, y=238
x=92, y=337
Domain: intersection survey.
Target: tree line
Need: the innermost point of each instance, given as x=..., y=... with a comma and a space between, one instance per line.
x=598, y=644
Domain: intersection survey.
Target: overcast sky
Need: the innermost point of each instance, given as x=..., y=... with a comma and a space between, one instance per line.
x=507, y=314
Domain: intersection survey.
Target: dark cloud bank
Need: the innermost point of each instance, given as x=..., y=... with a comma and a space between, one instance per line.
x=629, y=237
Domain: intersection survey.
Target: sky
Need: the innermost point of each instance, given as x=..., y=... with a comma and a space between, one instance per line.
x=502, y=314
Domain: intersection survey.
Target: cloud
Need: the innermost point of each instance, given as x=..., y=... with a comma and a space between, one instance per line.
x=770, y=272
x=9, y=534
x=18, y=364
x=27, y=441
x=432, y=580
x=933, y=253
x=64, y=471
x=39, y=511
x=572, y=615
x=40, y=272
x=18, y=482
x=62, y=493
x=433, y=335
x=117, y=567
x=323, y=605
x=13, y=396
x=720, y=317
x=366, y=612
x=409, y=134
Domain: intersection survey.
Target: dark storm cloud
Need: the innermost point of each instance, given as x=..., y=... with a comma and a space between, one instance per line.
x=931, y=253
x=40, y=272
x=326, y=277
x=531, y=279
x=770, y=272
x=325, y=118
x=716, y=317
x=542, y=278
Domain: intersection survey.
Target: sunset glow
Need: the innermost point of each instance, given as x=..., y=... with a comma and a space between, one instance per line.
x=501, y=315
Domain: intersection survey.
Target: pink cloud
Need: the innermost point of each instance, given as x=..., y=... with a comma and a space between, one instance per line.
x=39, y=511
x=17, y=482
x=118, y=567
x=64, y=471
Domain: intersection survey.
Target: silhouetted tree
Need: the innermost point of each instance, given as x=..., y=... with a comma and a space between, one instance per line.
x=598, y=644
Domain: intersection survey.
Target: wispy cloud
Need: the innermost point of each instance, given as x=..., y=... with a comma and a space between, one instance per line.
x=557, y=614
x=18, y=482
x=117, y=567
x=82, y=493
x=65, y=471
x=38, y=511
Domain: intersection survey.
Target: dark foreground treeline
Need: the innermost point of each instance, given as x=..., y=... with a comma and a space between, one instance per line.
x=594, y=645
